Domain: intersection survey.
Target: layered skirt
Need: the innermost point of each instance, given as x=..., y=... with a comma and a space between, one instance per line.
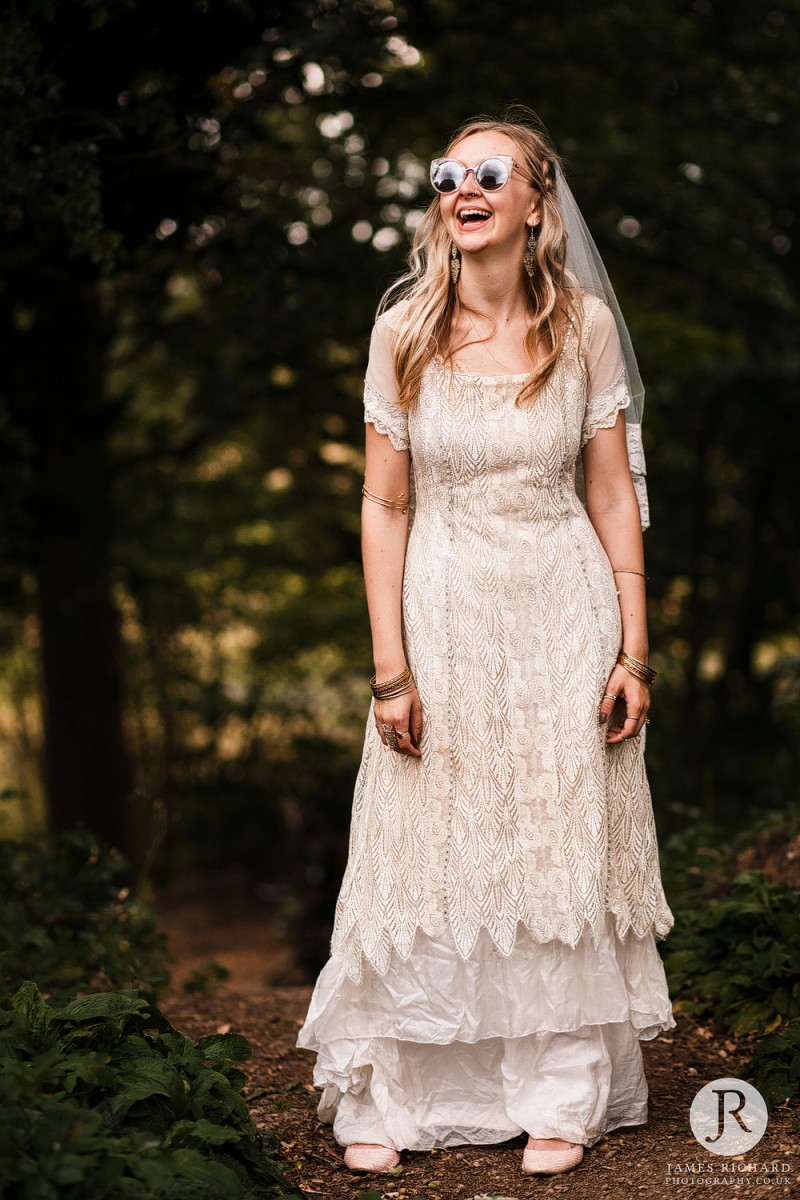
x=447, y=1051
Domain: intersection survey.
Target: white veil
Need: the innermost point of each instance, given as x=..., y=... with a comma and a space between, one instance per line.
x=584, y=262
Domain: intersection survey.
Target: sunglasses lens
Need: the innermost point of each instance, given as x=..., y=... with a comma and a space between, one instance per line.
x=446, y=175
x=492, y=174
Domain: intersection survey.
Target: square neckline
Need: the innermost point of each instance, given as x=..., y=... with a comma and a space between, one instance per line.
x=515, y=377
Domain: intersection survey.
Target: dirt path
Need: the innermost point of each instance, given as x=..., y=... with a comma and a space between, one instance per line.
x=632, y=1162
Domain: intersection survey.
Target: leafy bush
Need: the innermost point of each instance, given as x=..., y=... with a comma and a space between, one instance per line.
x=206, y=978
x=67, y=920
x=103, y=1097
x=736, y=959
x=701, y=859
x=696, y=862
x=775, y=1065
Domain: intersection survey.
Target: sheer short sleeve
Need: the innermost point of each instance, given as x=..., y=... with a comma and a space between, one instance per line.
x=607, y=394
x=380, y=386
x=607, y=389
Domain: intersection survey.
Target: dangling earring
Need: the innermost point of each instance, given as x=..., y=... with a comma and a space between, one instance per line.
x=455, y=263
x=529, y=258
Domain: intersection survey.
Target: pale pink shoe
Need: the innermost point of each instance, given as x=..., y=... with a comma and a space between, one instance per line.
x=370, y=1156
x=551, y=1162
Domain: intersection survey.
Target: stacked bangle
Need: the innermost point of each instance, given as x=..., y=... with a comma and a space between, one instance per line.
x=639, y=669
x=398, y=686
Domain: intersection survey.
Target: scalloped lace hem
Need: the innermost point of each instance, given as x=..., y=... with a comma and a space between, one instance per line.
x=377, y=947
x=378, y=412
x=437, y=996
x=605, y=407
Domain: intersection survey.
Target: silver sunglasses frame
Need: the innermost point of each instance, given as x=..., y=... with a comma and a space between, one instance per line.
x=503, y=158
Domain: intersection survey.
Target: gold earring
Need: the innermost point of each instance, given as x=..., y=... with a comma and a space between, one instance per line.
x=455, y=263
x=529, y=258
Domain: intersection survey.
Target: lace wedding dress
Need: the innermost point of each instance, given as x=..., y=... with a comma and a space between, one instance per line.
x=493, y=963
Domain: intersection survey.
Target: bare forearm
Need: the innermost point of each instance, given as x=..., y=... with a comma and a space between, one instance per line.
x=619, y=529
x=383, y=547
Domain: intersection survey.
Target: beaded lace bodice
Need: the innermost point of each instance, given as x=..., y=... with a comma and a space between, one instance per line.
x=517, y=810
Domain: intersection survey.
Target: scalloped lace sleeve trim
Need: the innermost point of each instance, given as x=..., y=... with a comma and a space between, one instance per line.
x=638, y=470
x=603, y=408
x=635, y=448
x=387, y=417
x=640, y=487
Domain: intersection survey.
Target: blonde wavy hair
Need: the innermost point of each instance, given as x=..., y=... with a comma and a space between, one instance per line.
x=434, y=302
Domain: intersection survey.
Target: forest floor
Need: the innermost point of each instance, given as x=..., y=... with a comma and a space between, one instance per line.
x=263, y=1001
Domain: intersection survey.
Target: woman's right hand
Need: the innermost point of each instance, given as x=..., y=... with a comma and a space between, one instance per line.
x=403, y=713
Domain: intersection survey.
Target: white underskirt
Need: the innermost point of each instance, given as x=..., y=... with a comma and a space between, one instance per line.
x=445, y=1051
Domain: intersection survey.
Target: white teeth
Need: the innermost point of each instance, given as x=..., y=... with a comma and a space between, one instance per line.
x=470, y=212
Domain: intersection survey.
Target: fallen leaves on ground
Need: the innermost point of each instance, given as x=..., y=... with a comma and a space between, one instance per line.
x=633, y=1160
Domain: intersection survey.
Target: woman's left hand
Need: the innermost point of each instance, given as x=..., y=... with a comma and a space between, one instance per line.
x=636, y=696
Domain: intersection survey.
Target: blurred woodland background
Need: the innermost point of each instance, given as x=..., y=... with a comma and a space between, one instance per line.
x=201, y=204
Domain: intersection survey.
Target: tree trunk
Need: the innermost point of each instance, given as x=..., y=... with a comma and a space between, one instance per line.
x=60, y=400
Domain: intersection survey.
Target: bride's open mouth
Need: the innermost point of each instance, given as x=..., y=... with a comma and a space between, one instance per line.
x=472, y=217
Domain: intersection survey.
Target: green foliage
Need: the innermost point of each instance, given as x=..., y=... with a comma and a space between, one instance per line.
x=775, y=1065
x=67, y=920
x=103, y=1097
x=735, y=959
x=699, y=861
x=99, y=1095
x=206, y=978
x=695, y=861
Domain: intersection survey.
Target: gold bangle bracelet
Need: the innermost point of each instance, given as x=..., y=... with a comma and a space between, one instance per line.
x=400, y=678
x=386, y=693
x=639, y=669
x=628, y=571
x=401, y=691
x=401, y=504
x=635, y=661
x=392, y=687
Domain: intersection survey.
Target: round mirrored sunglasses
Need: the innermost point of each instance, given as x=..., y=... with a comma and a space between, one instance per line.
x=448, y=174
